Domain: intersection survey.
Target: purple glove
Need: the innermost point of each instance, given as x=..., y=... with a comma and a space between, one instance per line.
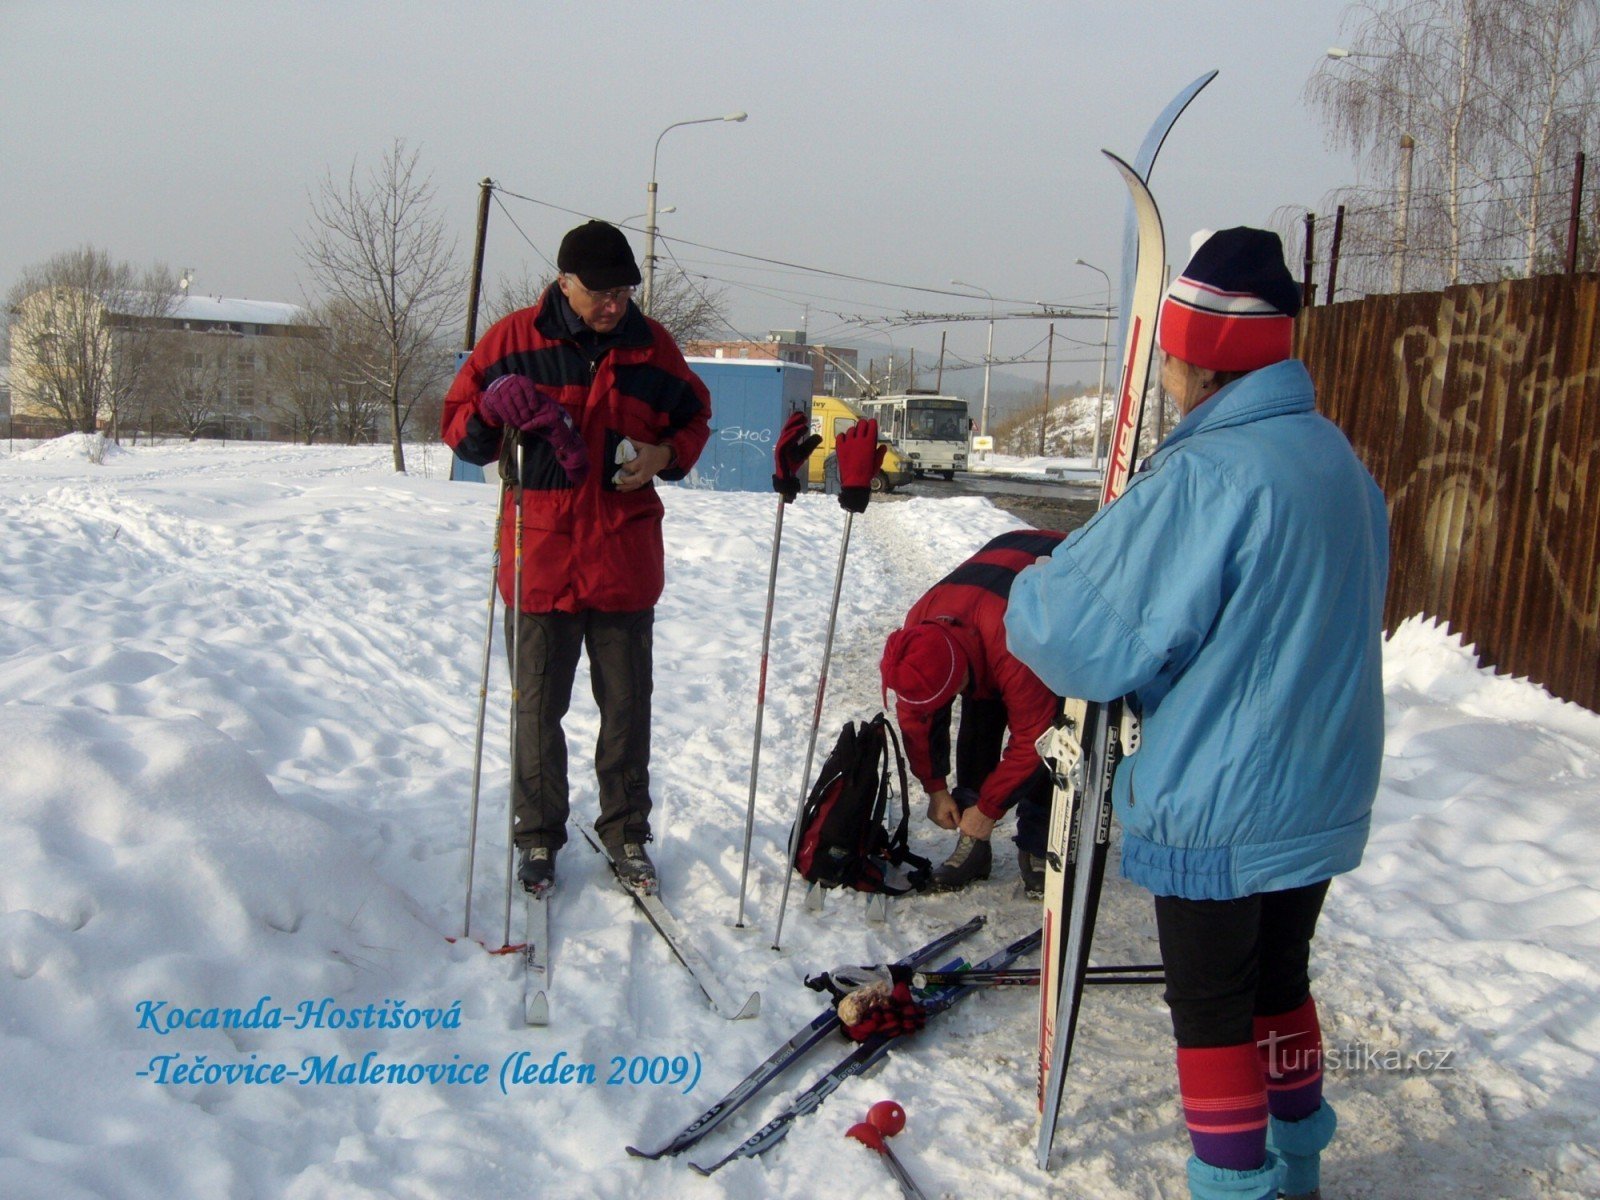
x=795, y=444
x=510, y=400
x=554, y=425
x=860, y=458
x=515, y=400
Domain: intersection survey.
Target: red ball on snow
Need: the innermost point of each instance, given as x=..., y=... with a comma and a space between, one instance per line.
x=887, y=1117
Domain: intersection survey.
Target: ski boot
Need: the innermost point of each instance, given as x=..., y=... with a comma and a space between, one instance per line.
x=537, y=870
x=636, y=870
x=969, y=861
x=1031, y=867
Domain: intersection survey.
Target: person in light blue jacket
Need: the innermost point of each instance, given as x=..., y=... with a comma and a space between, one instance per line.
x=1235, y=593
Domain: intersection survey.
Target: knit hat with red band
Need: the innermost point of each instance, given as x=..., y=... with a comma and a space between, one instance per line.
x=1233, y=308
x=922, y=666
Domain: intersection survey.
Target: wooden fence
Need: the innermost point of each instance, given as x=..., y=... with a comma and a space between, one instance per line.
x=1478, y=411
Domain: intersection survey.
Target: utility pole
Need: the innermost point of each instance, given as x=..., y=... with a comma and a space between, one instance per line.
x=1049, y=361
x=485, y=190
x=1402, y=213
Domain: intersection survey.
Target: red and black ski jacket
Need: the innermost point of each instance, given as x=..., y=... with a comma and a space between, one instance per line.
x=971, y=603
x=589, y=547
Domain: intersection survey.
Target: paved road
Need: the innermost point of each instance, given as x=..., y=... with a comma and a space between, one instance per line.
x=1062, y=506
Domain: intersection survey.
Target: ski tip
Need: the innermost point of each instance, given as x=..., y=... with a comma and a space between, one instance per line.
x=751, y=1008
x=699, y=1170
x=1121, y=163
x=537, y=1010
x=638, y=1153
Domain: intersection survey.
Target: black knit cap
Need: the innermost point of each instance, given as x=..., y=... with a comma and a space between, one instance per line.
x=599, y=256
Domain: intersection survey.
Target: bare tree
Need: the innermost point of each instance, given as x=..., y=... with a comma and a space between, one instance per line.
x=378, y=248
x=83, y=325
x=199, y=369
x=1470, y=107
x=302, y=376
x=1543, y=89
x=690, y=308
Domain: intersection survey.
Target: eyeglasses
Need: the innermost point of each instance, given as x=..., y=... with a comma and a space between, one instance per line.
x=617, y=295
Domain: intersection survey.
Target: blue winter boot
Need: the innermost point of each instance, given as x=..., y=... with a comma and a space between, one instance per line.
x=1300, y=1145
x=1219, y=1183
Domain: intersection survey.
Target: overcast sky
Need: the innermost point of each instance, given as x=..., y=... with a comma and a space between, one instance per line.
x=906, y=142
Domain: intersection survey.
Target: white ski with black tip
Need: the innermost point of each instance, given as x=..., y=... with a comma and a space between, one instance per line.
x=723, y=1003
x=1086, y=747
x=536, y=958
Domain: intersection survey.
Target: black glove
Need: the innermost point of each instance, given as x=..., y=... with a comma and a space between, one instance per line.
x=795, y=444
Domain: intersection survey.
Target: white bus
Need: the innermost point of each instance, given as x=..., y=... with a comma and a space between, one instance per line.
x=930, y=432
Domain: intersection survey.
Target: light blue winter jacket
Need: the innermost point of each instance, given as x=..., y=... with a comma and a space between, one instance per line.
x=1236, y=590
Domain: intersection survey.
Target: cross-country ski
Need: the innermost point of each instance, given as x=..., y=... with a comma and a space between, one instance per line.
x=536, y=959
x=857, y=1062
x=723, y=1001
x=787, y=1055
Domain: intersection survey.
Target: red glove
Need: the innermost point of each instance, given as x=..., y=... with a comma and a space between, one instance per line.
x=878, y=1009
x=860, y=459
x=795, y=444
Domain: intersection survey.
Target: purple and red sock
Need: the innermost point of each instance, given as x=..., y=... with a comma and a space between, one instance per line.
x=1225, y=1105
x=1290, y=1050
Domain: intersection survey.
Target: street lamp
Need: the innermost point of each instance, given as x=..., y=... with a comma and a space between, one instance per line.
x=1402, y=212
x=650, y=193
x=988, y=355
x=1105, y=346
x=660, y=212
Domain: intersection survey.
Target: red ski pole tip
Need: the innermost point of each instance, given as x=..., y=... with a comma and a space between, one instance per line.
x=867, y=1135
x=887, y=1117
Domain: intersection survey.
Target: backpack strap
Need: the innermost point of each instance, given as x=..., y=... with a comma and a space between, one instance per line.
x=899, y=842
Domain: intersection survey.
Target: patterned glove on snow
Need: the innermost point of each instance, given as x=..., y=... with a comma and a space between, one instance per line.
x=881, y=1008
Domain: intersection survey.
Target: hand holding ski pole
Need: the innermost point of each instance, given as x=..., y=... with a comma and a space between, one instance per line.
x=795, y=444
x=515, y=400
x=860, y=458
x=885, y=1119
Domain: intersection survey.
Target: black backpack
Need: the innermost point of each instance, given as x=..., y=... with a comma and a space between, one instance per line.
x=843, y=841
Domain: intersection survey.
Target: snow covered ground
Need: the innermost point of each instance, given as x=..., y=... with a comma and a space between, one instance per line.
x=239, y=688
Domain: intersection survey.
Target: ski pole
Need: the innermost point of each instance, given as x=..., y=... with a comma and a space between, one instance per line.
x=885, y=1119
x=761, y=704
x=1029, y=977
x=816, y=724
x=515, y=611
x=483, y=704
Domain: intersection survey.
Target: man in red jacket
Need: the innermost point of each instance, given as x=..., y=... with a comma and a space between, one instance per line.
x=600, y=402
x=953, y=644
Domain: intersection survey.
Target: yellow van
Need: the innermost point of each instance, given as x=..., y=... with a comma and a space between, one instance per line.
x=831, y=416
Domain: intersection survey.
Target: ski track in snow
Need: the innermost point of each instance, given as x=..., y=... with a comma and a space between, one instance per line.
x=240, y=686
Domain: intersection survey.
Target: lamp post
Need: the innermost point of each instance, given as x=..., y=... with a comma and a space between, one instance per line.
x=988, y=355
x=1402, y=212
x=650, y=196
x=1105, y=346
x=660, y=212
